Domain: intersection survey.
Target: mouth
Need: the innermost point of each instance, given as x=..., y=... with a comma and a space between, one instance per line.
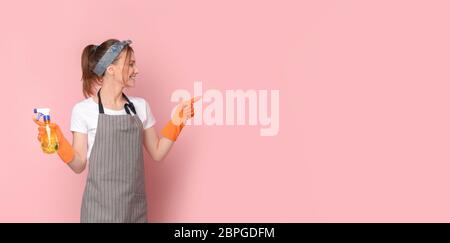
x=133, y=77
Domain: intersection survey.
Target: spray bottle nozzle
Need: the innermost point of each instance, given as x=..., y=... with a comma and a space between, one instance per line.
x=42, y=112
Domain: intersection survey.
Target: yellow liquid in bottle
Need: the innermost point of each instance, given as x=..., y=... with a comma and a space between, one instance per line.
x=49, y=142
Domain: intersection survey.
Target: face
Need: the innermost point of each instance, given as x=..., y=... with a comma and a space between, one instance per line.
x=123, y=72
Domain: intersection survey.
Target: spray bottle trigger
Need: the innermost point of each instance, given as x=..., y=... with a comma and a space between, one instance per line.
x=39, y=115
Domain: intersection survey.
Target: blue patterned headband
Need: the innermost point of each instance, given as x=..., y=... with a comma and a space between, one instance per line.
x=109, y=56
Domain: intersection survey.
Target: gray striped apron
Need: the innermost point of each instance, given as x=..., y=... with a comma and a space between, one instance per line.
x=115, y=186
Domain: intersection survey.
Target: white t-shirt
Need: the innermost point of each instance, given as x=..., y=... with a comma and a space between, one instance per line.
x=85, y=116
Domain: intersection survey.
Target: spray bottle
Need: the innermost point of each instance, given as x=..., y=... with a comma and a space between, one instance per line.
x=49, y=143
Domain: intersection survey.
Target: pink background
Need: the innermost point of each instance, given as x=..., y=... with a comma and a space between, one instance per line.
x=364, y=122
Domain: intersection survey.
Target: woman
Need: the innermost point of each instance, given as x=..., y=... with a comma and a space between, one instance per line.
x=109, y=130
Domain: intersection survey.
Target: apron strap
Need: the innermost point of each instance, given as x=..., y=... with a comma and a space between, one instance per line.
x=128, y=106
x=100, y=105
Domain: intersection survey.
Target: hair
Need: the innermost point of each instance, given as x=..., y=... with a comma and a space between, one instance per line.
x=90, y=57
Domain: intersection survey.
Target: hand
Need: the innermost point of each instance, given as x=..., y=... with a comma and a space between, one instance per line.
x=42, y=129
x=65, y=150
x=184, y=111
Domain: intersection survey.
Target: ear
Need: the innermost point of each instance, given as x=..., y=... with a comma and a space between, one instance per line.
x=110, y=70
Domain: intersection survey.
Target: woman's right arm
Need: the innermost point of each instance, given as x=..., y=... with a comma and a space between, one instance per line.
x=74, y=155
x=79, y=145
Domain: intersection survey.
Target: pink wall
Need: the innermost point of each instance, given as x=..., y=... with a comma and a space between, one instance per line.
x=364, y=122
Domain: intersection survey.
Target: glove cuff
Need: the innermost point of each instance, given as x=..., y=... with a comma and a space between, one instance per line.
x=65, y=151
x=171, y=131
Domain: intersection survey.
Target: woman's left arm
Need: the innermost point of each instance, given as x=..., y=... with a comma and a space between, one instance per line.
x=158, y=147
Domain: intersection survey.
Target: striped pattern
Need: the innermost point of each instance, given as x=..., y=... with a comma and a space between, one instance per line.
x=115, y=187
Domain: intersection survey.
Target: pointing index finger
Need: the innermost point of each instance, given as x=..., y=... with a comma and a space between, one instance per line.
x=195, y=99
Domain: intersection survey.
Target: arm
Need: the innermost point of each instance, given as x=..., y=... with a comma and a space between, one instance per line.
x=79, y=144
x=74, y=155
x=157, y=147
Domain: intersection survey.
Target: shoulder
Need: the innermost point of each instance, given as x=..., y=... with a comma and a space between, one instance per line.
x=139, y=102
x=85, y=105
x=136, y=99
x=142, y=107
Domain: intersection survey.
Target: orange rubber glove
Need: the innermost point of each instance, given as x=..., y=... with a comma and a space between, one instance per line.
x=65, y=150
x=184, y=111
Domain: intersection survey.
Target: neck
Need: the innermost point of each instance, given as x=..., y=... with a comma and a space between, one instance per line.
x=111, y=94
